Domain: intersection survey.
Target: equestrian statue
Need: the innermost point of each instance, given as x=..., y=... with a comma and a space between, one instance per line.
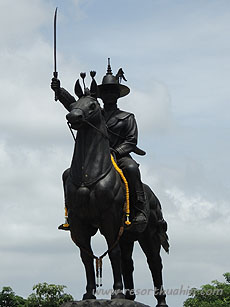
x=103, y=188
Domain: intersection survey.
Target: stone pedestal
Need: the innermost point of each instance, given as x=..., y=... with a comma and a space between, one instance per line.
x=104, y=303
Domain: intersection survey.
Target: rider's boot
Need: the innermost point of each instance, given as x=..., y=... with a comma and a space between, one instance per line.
x=141, y=208
x=65, y=226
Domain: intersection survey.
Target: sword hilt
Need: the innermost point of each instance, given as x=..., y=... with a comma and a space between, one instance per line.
x=55, y=75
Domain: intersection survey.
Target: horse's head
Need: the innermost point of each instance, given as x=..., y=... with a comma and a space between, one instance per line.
x=86, y=109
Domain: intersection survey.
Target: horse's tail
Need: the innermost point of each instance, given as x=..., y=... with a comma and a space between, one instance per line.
x=164, y=241
x=157, y=218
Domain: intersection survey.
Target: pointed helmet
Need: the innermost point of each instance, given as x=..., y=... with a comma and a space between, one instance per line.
x=110, y=80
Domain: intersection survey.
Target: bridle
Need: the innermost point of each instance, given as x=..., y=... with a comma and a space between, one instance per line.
x=86, y=120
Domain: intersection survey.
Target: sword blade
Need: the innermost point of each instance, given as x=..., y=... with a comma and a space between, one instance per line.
x=55, y=44
x=55, y=73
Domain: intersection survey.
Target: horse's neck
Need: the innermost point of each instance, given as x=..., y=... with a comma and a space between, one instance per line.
x=91, y=159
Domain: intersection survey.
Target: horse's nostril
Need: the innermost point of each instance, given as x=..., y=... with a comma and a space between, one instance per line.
x=74, y=116
x=78, y=117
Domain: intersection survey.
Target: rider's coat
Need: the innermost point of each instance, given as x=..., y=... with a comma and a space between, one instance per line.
x=121, y=125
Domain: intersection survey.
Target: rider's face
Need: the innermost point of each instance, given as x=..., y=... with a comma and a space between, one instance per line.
x=110, y=94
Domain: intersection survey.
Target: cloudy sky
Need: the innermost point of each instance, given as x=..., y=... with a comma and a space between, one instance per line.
x=176, y=57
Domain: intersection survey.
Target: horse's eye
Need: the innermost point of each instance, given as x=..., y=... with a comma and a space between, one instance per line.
x=92, y=106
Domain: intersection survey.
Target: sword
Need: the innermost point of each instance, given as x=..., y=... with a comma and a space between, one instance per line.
x=55, y=73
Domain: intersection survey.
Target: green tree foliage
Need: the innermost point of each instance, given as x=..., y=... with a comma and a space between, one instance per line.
x=44, y=295
x=9, y=299
x=216, y=294
x=48, y=296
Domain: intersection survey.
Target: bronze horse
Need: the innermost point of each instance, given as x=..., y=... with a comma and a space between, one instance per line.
x=95, y=196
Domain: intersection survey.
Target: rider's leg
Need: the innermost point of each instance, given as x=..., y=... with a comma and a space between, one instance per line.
x=65, y=225
x=132, y=172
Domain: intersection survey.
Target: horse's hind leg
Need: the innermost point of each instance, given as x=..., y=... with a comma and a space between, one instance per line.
x=127, y=267
x=151, y=247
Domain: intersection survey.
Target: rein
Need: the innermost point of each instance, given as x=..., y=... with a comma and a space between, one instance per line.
x=127, y=222
x=99, y=259
x=71, y=130
x=98, y=130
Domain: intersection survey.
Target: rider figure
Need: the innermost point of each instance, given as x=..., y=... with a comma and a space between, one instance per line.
x=122, y=131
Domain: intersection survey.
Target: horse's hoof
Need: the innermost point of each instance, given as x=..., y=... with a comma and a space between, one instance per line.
x=118, y=295
x=162, y=305
x=88, y=296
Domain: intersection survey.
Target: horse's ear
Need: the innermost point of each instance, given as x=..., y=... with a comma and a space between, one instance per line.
x=77, y=89
x=94, y=89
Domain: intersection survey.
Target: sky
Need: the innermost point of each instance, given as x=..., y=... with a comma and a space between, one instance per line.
x=175, y=55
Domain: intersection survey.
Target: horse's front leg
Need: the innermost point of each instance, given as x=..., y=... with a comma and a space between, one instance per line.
x=108, y=230
x=83, y=241
x=90, y=276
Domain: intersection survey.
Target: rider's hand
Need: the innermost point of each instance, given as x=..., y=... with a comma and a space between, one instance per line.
x=55, y=85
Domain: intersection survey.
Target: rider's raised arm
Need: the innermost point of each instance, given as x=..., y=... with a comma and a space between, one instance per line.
x=129, y=136
x=62, y=94
x=66, y=98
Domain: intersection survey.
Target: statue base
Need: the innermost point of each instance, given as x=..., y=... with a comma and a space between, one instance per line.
x=104, y=303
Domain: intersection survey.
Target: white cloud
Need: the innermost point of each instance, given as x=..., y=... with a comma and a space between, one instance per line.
x=196, y=208
x=21, y=21
x=151, y=108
